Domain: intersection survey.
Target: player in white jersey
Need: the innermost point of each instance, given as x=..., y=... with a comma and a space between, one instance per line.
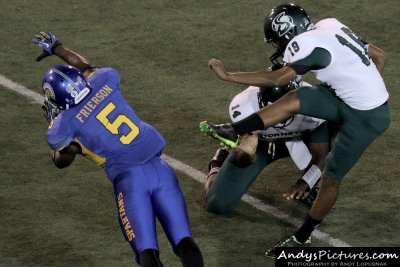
x=304, y=139
x=353, y=95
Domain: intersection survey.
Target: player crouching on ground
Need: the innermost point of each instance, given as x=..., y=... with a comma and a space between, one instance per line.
x=304, y=139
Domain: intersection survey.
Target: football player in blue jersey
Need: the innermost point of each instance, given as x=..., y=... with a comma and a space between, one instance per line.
x=88, y=115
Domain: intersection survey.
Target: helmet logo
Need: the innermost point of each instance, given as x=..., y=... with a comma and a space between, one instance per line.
x=282, y=24
x=71, y=90
x=48, y=91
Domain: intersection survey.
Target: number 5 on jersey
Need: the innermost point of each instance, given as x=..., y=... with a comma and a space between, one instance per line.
x=114, y=126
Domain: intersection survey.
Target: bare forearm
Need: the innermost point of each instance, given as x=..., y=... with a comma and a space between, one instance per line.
x=263, y=78
x=250, y=78
x=72, y=58
x=319, y=151
x=378, y=56
x=279, y=77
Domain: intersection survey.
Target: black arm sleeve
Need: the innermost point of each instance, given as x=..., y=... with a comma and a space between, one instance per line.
x=318, y=59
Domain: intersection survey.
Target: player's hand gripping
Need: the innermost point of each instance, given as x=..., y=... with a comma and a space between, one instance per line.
x=49, y=112
x=48, y=42
x=298, y=190
x=218, y=67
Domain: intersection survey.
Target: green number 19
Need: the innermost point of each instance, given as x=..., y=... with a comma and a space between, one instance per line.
x=362, y=54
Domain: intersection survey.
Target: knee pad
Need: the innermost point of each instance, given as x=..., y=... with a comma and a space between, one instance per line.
x=150, y=258
x=189, y=253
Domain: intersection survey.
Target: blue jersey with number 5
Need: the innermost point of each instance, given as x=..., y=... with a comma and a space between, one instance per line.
x=106, y=127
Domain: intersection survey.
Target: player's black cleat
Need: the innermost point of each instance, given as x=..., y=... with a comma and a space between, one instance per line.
x=222, y=132
x=290, y=241
x=309, y=200
x=219, y=158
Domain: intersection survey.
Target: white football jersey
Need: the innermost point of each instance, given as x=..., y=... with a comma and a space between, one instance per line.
x=246, y=103
x=351, y=73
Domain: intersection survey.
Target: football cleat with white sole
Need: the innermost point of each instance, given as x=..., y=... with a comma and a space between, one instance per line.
x=224, y=133
x=290, y=241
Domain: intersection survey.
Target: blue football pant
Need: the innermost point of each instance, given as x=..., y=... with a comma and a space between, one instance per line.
x=145, y=192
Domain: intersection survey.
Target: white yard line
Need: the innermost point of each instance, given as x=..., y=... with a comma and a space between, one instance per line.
x=256, y=203
x=195, y=174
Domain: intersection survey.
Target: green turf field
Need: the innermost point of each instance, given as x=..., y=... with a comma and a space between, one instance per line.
x=51, y=217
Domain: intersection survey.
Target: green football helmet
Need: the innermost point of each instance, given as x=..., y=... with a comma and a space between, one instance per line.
x=268, y=95
x=283, y=23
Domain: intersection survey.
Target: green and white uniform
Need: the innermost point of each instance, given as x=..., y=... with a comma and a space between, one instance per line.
x=283, y=140
x=247, y=102
x=353, y=94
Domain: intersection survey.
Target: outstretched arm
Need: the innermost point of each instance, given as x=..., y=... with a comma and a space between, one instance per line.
x=51, y=46
x=74, y=59
x=265, y=78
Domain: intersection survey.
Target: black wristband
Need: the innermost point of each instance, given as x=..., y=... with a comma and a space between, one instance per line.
x=248, y=124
